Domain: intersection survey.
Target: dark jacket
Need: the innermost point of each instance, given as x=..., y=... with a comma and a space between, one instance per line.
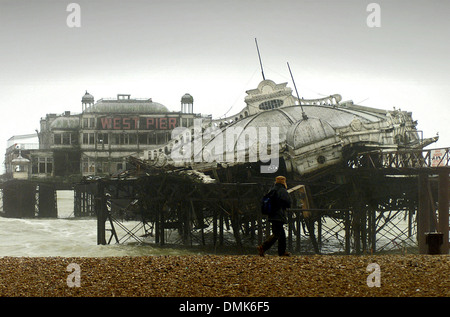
x=283, y=201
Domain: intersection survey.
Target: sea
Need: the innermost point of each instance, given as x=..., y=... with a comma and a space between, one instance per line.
x=67, y=236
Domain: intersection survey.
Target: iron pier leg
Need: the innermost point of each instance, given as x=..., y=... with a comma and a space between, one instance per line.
x=215, y=227
x=347, y=231
x=443, y=225
x=101, y=214
x=423, y=213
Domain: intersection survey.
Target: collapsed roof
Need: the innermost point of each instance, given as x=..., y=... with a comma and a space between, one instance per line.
x=309, y=134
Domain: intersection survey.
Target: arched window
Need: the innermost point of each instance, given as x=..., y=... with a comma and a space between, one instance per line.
x=271, y=104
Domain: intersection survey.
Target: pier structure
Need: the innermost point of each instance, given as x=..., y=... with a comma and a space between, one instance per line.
x=94, y=143
x=377, y=202
x=30, y=199
x=359, y=177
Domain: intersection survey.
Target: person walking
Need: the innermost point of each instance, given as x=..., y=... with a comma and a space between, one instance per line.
x=278, y=218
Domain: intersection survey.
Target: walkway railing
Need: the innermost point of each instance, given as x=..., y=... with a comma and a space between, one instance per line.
x=431, y=158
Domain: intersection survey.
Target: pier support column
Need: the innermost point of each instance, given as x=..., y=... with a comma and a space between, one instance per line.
x=77, y=202
x=100, y=208
x=47, y=201
x=372, y=230
x=221, y=223
x=187, y=225
x=215, y=227
x=423, y=213
x=443, y=225
x=347, y=231
x=19, y=199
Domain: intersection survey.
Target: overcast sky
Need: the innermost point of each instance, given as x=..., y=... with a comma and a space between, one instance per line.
x=163, y=49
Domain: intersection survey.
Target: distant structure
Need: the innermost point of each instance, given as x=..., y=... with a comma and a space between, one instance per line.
x=96, y=141
x=187, y=104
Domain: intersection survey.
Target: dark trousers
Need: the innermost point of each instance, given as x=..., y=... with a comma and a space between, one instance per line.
x=277, y=234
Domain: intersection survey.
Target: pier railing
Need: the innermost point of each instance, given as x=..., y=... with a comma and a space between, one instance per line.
x=408, y=159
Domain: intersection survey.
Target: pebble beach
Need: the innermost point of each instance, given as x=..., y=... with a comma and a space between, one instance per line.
x=225, y=276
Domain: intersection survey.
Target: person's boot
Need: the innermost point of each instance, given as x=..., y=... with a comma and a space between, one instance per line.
x=260, y=250
x=286, y=254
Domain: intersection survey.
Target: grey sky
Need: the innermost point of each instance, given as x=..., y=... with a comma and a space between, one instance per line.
x=163, y=49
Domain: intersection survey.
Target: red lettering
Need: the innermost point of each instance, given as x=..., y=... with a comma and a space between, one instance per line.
x=172, y=123
x=150, y=123
x=106, y=123
x=163, y=123
x=126, y=123
x=130, y=123
x=136, y=122
x=116, y=123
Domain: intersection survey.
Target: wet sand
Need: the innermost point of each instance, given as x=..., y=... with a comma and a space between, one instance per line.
x=226, y=276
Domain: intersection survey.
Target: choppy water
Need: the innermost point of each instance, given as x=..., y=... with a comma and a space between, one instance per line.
x=65, y=236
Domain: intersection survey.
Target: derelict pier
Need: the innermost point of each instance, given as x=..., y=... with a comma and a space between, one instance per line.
x=352, y=209
x=360, y=178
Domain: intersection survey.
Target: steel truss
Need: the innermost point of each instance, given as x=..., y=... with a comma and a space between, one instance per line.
x=370, y=204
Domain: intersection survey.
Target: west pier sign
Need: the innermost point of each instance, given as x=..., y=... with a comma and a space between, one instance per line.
x=136, y=123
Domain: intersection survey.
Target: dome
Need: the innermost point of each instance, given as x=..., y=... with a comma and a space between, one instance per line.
x=144, y=107
x=265, y=129
x=64, y=123
x=305, y=132
x=20, y=160
x=187, y=98
x=87, y=98
x=256, y=130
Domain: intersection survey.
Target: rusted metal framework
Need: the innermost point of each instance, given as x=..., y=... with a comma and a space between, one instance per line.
x=28, y=199
x=378, y=201
x=359, y=177
x=403, y=161
x=429, y=171
x=199, y=213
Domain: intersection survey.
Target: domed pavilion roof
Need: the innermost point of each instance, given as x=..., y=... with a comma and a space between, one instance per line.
x=127, y=106
x=321, y=123
x=65, y=123
x=187, y=98
x=87, y=98
x=305, y=132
